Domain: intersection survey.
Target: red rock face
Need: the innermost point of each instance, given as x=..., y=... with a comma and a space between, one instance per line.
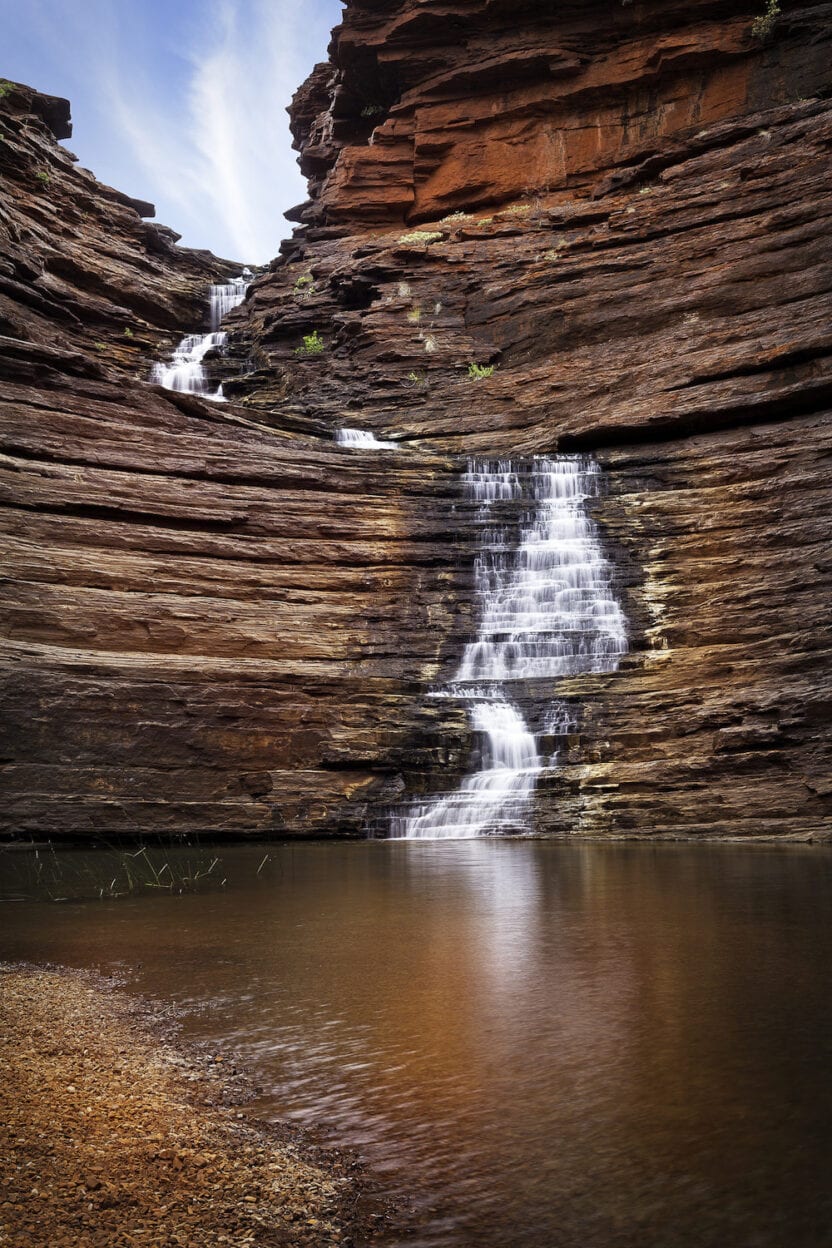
x=432, y=107
x=219, y=620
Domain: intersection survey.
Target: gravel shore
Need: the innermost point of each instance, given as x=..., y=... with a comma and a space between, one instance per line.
x=112, y=1134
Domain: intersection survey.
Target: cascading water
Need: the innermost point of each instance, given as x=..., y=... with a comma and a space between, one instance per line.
x=186, y=372
x=227, y=296
x=546, y=611
x=363, y=440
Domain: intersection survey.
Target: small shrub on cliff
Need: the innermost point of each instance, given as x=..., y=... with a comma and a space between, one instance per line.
x=556, y=252
x=414, y=315
x=6, y=87
x=304, y=285
x=313, y=344
x=42, y=176
x=765, y=23
x=373, y=110
x=421, y=236
x=479, y=371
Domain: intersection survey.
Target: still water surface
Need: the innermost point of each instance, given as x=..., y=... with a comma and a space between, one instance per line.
x=542, y=1045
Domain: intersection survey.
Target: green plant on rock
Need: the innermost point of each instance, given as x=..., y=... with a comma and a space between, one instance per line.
x=128, y=333
x=556, y=252
x=373, y=110
x=416, y=379
x=42, y=176
x=414, y=315
x=477, y=372
x=6, y=87
x=765, y=23
x=421, y=236
x=313, y=344
x=305, y=285
x=100, y=346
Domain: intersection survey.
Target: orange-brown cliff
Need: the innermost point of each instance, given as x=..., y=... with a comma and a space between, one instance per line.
x=623, y=208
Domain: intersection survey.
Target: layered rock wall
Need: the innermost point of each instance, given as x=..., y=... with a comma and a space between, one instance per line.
x=218, y=620
x=208, y=626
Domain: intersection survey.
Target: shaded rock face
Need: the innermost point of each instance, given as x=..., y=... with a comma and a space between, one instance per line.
x=81, y=272
x=219, y=620
x=208, y=625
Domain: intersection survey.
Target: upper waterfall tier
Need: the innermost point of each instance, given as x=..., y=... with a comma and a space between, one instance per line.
x=228, y=295
x=186, y=371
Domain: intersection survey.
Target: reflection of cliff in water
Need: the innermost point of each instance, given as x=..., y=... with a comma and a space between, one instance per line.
x=545, y=1043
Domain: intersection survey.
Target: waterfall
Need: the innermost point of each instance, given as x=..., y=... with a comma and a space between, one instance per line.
x=546, y=610
x=185, y=372
x=362, y=439
x=225, y=297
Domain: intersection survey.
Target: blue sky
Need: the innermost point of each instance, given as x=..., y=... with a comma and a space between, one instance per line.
x=180, y=102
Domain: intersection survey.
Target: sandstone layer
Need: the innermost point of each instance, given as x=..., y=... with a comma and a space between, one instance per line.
x=219, y=620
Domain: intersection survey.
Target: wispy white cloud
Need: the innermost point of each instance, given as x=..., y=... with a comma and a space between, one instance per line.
x=240, y=85
x=187, y=102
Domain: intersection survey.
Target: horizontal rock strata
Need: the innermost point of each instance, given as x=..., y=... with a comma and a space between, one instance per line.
x=208, y=626
x=219, y=620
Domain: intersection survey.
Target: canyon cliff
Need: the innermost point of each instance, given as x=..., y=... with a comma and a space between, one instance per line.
x=218, y=620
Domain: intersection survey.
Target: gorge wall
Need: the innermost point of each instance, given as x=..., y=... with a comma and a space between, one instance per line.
x=218, y=620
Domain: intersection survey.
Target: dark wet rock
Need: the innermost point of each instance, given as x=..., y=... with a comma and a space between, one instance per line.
x=625, y=211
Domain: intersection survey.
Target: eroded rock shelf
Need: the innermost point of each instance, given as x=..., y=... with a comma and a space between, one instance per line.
x=216, y=619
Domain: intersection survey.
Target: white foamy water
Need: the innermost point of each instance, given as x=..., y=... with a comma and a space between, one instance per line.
x=546, y=611
x=186, y=372
x=363, y=439
x=227, y=296
x=505, y=781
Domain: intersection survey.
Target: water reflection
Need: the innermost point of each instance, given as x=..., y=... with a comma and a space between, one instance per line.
x=547, y=1044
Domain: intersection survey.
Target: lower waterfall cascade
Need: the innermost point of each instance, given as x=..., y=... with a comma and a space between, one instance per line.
x=546, y=611
x=185, y=372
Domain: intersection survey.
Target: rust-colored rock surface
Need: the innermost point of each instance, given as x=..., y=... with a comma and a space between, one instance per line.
x=219, y=620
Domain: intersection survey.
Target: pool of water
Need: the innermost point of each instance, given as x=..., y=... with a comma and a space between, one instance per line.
x=543, y=1045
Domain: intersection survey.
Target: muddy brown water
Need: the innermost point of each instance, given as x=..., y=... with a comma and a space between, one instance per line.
x=541, y=1045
